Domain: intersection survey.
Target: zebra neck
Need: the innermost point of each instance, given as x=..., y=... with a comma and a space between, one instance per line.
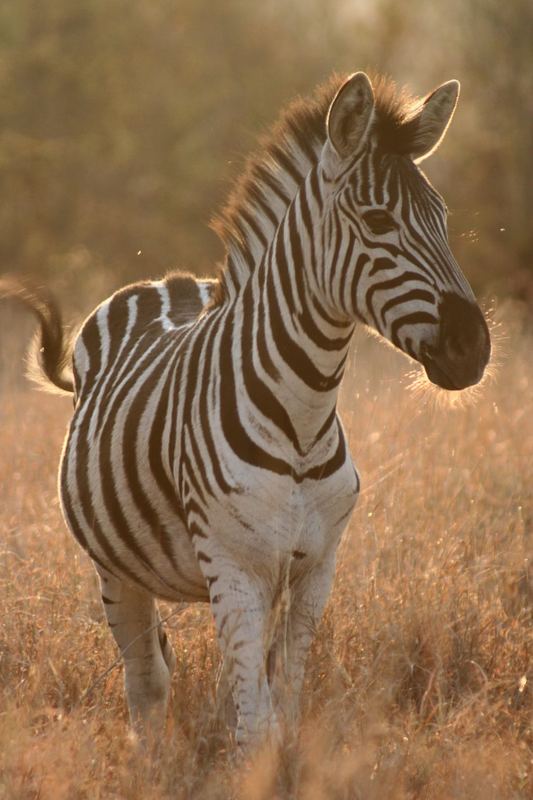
x=264, y=193
x=296, y=351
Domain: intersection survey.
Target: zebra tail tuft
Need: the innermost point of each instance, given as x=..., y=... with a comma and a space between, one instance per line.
x=50, y=355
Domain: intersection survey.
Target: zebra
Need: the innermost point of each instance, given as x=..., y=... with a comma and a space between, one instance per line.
x=205, y=459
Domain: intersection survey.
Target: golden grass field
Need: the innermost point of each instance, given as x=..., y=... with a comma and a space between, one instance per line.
x=419, y=682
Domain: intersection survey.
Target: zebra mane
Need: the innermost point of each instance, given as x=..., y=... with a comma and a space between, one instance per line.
x=272, y=175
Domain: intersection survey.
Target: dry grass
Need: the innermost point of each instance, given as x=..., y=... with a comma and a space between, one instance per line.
x=419, y=682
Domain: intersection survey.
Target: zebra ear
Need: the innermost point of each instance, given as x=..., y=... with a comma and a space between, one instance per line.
x=431, y=121
x=350, y=113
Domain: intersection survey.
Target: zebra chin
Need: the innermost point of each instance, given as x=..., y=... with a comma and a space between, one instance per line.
x=446, y=378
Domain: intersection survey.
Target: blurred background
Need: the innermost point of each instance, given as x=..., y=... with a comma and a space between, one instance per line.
x=122, y=123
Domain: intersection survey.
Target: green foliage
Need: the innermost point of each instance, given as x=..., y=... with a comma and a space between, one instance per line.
x=123, y=122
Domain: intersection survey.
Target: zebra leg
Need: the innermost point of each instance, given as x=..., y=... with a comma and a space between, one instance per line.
x=307, y=599
x=224, y=698
x=148, y=657
x=241, y=606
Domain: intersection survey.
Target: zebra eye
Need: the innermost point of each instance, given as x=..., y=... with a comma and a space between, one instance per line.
x=379, y=221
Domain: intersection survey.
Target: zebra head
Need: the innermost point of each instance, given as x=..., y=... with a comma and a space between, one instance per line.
x=387, y=255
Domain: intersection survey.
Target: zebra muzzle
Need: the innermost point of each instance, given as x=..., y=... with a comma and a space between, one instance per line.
x=462, y=351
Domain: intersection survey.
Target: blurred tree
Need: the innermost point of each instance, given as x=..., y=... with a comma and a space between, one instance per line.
x=122, y=123
x=496, y=47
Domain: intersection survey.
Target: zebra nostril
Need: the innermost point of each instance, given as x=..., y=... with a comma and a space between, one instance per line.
x=455, y=348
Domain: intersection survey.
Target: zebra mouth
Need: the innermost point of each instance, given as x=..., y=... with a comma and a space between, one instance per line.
x=440, y=377
x=453, y=377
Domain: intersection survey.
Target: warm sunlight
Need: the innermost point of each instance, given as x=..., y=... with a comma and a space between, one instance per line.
x=273, y=539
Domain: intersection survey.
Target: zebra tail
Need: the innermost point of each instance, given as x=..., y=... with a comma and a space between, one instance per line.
x=50, y=356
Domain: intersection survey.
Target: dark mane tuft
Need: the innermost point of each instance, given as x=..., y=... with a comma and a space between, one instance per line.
x=395, y=111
